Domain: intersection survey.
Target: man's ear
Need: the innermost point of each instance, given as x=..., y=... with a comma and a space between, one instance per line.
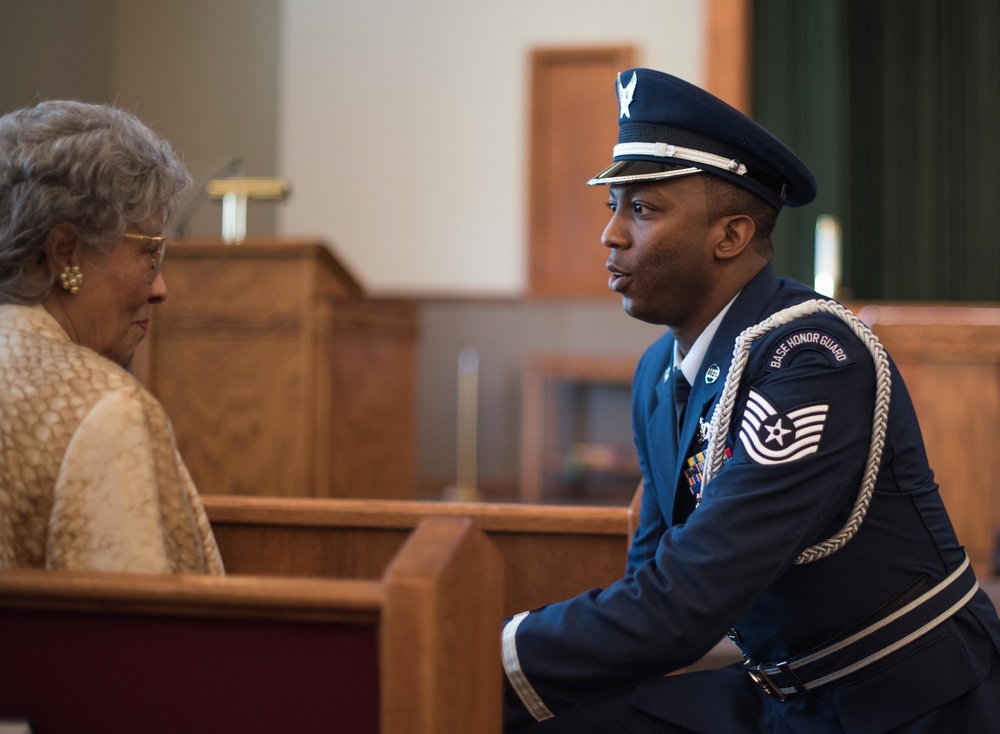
x=737, y=232
x=62, y=247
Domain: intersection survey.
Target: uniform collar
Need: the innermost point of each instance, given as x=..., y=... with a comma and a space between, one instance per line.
x=690, y=364
x=714, y=346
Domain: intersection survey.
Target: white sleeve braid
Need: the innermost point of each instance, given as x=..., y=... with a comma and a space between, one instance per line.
x=724, y=409
x=529, y=697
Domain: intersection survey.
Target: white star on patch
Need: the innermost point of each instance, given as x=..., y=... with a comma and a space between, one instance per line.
x=764, y=431
x=776, y=432
x=625, y=94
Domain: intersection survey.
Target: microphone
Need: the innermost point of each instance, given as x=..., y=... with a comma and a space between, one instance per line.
x=231, y=168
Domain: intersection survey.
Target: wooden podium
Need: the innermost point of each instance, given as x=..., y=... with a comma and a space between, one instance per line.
x=280, y=377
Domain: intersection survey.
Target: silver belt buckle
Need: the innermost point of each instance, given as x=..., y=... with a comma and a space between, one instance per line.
x=762, y=679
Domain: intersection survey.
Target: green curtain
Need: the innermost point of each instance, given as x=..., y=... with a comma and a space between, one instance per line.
x=895, y=105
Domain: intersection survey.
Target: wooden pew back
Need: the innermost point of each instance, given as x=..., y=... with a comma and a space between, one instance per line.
x=949, y=356
x=411, y=652
x=549, y=552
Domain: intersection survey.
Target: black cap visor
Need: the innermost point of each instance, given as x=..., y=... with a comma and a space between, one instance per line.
x=630, y=171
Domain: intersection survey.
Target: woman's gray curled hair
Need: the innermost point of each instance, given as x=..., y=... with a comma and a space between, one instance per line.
x=95, y=166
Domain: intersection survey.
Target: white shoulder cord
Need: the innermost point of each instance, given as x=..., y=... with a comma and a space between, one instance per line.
x=724, y=409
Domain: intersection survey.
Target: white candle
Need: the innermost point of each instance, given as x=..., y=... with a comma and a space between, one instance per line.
x=826, y=269
x=468, y=419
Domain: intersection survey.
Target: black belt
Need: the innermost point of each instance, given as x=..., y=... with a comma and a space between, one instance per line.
x=804, y=673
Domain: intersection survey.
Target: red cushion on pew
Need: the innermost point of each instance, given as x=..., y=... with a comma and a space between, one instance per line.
x=113, y=673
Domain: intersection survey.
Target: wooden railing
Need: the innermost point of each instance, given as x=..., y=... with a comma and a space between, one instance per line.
x=549, y=552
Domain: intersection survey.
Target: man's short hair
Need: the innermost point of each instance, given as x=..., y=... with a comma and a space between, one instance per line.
x=726, y=199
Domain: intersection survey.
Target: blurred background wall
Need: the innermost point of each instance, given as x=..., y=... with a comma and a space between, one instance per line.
x=403, y=129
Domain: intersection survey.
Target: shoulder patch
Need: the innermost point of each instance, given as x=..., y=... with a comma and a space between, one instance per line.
x=772, y=437
x=812, y=338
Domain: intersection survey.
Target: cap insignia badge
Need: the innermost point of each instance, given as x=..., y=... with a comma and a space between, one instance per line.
x=625, y=94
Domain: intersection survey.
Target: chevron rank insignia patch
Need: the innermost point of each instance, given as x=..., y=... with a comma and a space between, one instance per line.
x=771, y=437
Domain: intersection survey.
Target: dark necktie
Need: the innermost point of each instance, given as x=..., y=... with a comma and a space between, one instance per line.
x=683, y=499
x=681, y=389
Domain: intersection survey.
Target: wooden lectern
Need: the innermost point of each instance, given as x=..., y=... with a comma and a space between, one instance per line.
x=280, y=377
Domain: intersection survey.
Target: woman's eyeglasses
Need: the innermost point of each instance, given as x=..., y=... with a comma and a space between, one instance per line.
x=156, y=256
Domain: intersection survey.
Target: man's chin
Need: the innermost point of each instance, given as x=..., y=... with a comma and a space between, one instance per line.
x=633, y=309
x=636, y=311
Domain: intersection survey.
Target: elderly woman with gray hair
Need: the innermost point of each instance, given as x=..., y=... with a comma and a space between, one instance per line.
x=90, y=477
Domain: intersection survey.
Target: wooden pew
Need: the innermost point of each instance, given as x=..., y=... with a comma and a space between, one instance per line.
x=949, y=356
x=414, y=651
x=549, y=552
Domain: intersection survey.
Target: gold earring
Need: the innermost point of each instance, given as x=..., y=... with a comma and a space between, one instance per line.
x=71, y=279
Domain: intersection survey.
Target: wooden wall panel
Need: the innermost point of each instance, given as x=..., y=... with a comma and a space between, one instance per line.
x=728, y=51
x=574, y=126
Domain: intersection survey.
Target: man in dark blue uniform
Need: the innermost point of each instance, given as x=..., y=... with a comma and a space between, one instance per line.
x=787, y=497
